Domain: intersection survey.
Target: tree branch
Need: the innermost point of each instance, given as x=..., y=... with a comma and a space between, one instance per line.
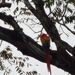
x=31, y=48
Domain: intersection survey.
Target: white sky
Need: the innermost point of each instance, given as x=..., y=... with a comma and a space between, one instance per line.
x=41, y=68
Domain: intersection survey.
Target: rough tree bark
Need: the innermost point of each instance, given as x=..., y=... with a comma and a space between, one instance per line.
x=28, y=46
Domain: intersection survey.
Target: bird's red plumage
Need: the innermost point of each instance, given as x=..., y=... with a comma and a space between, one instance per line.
x=48, y=62
x=45, y=40
x=43, y=35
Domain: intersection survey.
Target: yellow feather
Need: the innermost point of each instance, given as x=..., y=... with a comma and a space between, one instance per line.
x=43, y=40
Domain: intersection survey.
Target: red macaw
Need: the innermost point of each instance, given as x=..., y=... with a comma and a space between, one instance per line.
x=45, y=40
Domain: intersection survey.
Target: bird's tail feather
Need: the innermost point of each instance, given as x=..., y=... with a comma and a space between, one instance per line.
x=48, y=62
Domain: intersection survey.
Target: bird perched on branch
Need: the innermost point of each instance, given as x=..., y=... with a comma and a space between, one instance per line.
x=45, y=40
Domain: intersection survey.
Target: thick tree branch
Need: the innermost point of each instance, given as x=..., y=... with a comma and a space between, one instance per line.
x=31, y=48
x=9, y=19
